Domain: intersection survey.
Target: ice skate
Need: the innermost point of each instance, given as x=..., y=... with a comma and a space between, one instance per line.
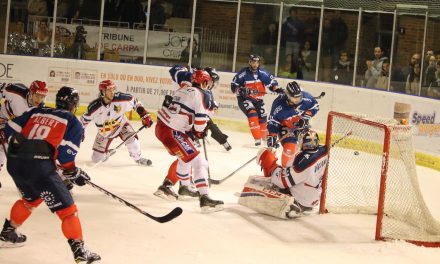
x=9, y=237
x=187, y=192
x=297, y=210
x=209, y=205
x=227, y=146
x=165, y=191
x=82, y=254
x=144, y=162
x=257, y=142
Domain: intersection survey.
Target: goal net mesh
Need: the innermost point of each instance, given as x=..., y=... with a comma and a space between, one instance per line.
x=354, y=178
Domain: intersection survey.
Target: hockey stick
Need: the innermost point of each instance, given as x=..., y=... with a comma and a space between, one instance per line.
x=348, y=133
x=161, y=219
x=244, y=165
x=320, y=96
x=111, y=152
x=206, y=157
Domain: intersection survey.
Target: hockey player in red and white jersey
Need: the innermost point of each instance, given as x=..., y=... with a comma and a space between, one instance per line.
x=108, y=114
x=17, y=100
x=187, y=115
x=182, y=77
x=302, y=180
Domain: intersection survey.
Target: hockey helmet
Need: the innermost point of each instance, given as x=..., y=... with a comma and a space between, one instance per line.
x=67, y=98
x=106, y=85
x=201, y=79
x=252, y=59
x=294, y=93
x=310, y=140
x=214, y=76
x=38, y=87
x=267, y=160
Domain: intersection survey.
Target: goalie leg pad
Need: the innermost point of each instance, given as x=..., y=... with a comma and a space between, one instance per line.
x=259, y=195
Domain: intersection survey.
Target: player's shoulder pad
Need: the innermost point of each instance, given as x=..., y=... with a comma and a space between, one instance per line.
x=94, y=105
x=18, y=89
x=119, y=96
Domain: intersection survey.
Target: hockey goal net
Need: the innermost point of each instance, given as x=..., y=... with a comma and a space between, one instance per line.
x=373, y=171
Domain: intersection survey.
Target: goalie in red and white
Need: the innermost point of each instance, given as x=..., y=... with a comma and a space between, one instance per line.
x=108, y=113
x=302, y=181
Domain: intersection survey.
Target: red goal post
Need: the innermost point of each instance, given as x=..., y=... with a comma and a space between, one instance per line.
x=373, y=171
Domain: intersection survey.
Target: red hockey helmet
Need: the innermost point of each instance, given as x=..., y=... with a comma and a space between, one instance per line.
x=106, y=85
x=39, y=87
x=202, y=79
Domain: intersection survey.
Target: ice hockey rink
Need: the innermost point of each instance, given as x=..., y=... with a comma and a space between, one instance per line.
x=236, y=235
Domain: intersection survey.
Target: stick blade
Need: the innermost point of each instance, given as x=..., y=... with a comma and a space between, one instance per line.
x=216, y=182
x=166, y=218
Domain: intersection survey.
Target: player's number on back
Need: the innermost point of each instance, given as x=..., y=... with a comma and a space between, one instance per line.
x=39, y=132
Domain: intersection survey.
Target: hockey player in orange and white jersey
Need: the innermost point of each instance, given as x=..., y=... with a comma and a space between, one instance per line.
x=108, y=114
x=302, y=180
x=17, y=100
x=187, y=115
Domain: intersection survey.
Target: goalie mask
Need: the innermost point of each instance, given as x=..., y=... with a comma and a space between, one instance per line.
x=294, y=93
x=310, y=140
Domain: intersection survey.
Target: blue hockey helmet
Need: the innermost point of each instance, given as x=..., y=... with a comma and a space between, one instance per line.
x=252, y=59
x=67, y=98
x=294, y=93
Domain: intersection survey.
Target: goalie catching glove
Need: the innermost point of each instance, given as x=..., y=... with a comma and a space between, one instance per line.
x=77, y=176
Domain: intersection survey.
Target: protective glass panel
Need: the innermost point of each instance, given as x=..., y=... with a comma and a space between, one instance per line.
x=431, y=67
x=3, y=4
x=374, y=50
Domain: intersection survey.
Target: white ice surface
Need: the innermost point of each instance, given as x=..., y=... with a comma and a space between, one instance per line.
x=235, y=235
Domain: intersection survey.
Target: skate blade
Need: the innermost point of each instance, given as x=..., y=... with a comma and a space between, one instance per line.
x=6, y=244
x=187, y=198
x=88, y=261
x=208, y=209
x=293, y=215
x=162, y=195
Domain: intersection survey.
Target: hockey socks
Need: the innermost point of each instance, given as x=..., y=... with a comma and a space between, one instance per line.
x=22, y=209
x=70, y=225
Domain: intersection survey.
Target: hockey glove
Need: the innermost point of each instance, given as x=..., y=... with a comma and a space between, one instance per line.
x=146, y=120
x=272, y=142
x=302, y=124
x=77, y=176
x=199, y=134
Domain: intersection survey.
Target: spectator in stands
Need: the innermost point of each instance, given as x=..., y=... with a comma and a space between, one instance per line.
x=291, y=32
x=37, y=7
x=268, y=42
x=374, y=67
x=415, y=58
x=434, y=86
x=340, y=35
x=384, y=76
x=111, y=10
x=158, y=17
x=343, y=70
x=89, y=9
x=291, y=68
x=131, y=11
x=43, y=34
x=196, y=54
x=430, y=70
x=308, y=61
x=327, y=46
x=413, y=80
x=311, y=31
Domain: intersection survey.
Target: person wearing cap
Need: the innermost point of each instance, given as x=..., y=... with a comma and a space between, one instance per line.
x=250, y=85
x=18, y=99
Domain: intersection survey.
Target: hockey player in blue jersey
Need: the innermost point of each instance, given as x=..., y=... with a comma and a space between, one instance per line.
x=290, y=113
x=38, y=138
x=250, y=85
x=301, y=181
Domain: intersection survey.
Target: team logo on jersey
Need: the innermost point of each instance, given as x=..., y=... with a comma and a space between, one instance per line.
x=117, y=108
